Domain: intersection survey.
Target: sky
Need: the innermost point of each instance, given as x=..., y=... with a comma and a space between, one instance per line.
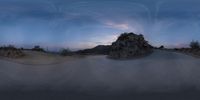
x=79, y=24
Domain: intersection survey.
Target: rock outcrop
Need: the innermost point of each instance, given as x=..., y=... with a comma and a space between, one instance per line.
x=10, y=52
x=129, y=45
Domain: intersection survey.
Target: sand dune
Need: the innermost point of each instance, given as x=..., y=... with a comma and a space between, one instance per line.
x=94, y=76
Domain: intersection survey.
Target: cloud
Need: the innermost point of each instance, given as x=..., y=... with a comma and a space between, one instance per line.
x=120, y=26
x=104, y=40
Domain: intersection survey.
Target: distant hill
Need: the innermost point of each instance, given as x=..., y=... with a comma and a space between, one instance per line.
x=100, y=49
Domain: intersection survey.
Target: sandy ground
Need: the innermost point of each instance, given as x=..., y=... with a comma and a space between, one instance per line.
x=162, y=75
x=39, y=58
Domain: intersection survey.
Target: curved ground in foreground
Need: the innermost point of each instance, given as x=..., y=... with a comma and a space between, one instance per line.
x=161, y=75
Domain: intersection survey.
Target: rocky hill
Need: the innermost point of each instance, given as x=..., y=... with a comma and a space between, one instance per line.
x=129, y=45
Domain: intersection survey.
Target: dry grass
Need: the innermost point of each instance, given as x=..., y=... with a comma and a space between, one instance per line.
x=39, y=58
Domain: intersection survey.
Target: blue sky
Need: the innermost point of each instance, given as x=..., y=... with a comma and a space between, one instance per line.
x=79, y=24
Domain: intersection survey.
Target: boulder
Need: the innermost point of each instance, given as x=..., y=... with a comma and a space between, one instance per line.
x=129, y=45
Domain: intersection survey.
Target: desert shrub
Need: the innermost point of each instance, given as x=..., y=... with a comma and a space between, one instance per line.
x=10, y=51
x=65, y=52
x=176, y=49
x=194, y=45
x=9, y=47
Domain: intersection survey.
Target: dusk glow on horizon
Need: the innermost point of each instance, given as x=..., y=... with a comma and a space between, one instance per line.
x=79, y=24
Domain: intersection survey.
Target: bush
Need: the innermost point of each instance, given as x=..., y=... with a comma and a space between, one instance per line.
x=10, y=51
x=9, y=47
x=65, y=52
x=194, y=45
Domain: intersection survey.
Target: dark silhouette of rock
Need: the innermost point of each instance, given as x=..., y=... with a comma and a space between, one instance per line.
x=11, y=52
x=161, y=47
x=129, y=45
x=100, y=50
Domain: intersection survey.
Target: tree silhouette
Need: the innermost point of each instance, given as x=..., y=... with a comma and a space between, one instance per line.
x=194, y=45
x=66, y=52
